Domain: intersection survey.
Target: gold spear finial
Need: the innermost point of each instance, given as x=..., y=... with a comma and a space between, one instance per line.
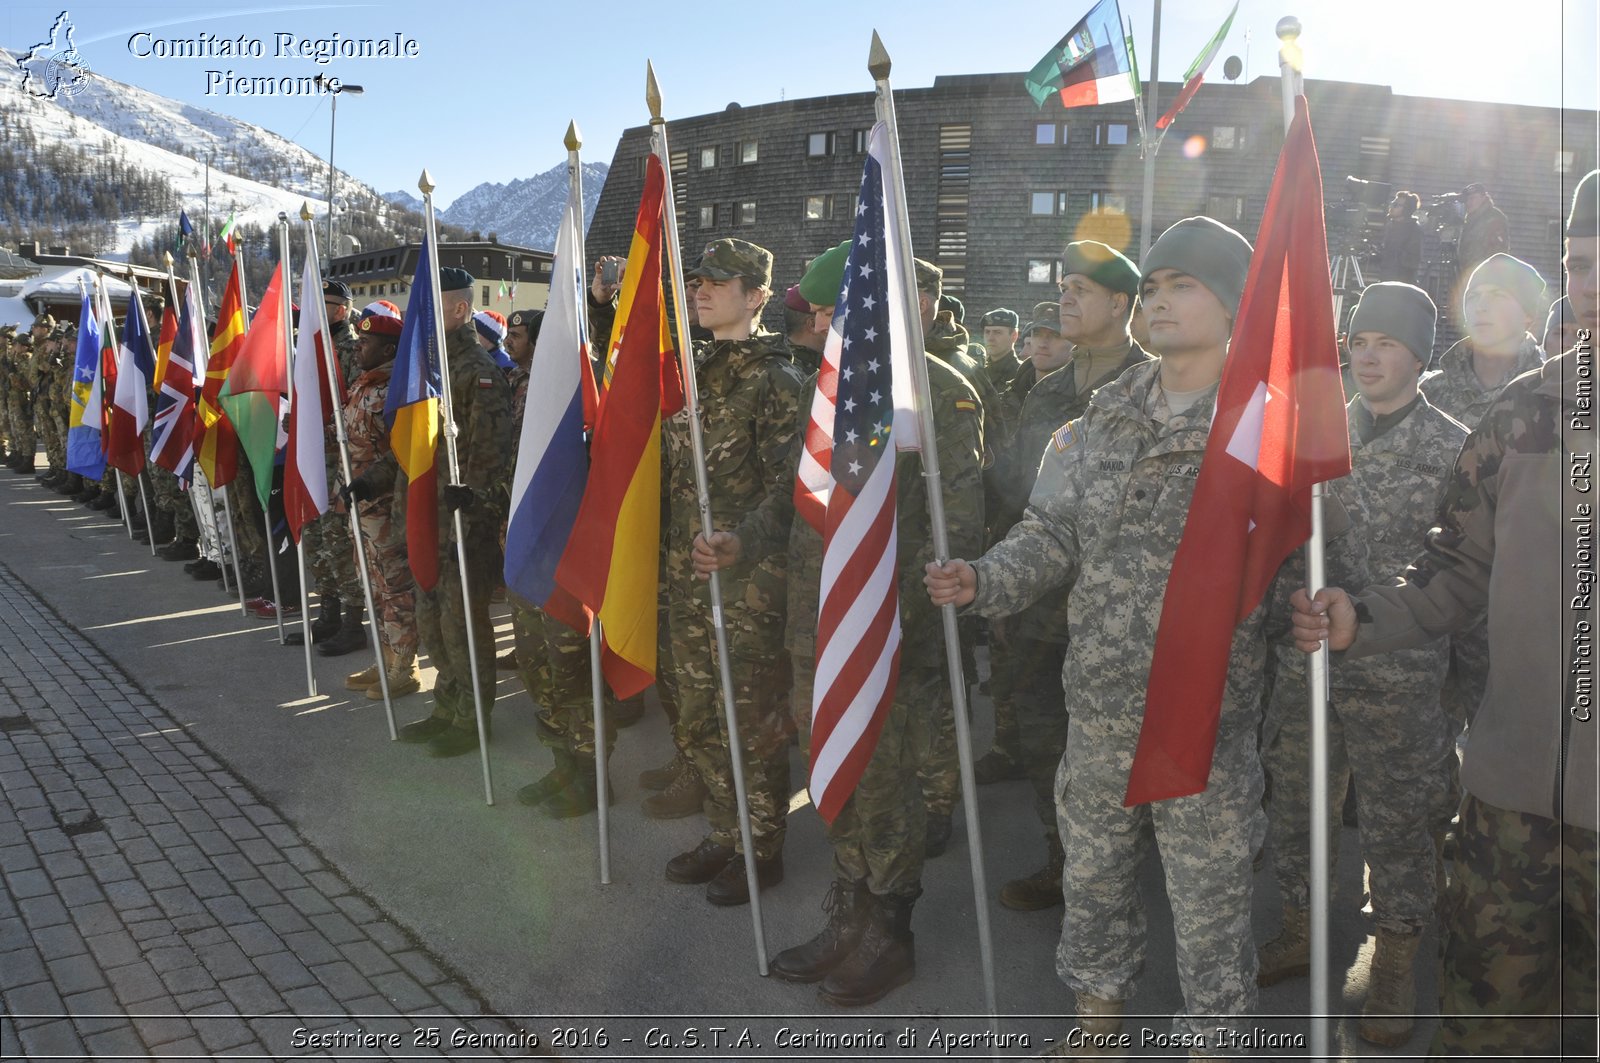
x=425, y=182
x=652, y=92
x=305, y=210
x=168, y=256
x=878, y=59
x=574, y=140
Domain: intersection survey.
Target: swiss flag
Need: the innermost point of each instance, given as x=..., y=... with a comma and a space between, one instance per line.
x=1279, y=427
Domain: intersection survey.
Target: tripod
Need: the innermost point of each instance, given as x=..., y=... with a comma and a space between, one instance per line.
x=1347, y=281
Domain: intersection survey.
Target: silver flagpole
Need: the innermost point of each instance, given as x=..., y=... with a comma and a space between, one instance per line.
x=342, y=437
x=136, y=306
x=878, y=64
x=227, y=504
x=574, y=141
x=266, y=517
x=228, y=549
x=1289, y=67
x=1147, y=118
x=299, y=546
x=691, y=394
x=206, y=528
x=447, y=425
x=103, y=298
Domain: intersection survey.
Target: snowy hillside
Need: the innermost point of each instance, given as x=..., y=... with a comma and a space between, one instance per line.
x=525, y=211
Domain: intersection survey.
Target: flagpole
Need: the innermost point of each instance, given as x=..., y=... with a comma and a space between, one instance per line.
x=573, y=142
x=691, y=395
x=1289, y=67
x=266, y=517
x=342, y=437
x=103, y=299
x=227, y=496
x=230, y=549
x=1147, y=118
x=286, y=302
x=206, y=528
x=878, y=64
x=136, y=306
x=447, y=424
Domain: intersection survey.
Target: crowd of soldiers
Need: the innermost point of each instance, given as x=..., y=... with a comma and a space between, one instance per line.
x=1069, y=446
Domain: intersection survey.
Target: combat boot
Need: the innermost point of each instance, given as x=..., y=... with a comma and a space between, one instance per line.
x=1388, y=1016
x=580, y=796
x=1040, y=890
x=327, y=623
x=996, y=766
x=846, y=904
x=1100, y=1021
x=70, y=484
x=403, y=682
x=938, y=836
x=662, y=777
x=179, y=550
x=350, y=636
x=884, y=959
x=1289, y=954
x=684, y=797
x=362, y=680
x=551, y=783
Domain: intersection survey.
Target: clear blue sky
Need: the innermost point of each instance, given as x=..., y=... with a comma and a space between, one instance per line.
x=491, y=93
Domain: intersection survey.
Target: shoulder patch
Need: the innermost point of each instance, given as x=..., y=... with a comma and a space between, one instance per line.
x=486, y=382
x=1065, y=437
x=967, y=405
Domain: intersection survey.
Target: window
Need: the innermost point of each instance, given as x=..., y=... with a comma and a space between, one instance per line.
x=818, y=208
x=485, y=295
x=1043, y=203
x=1050, y=133
x=527, y=263
x=1378, y=146
x=747, y=152
x=544, y=267
x=1043, y=270
x=819, y=144
x=708, y=217
x=1227, y=138
x=725, y=215
x=708, y=158
x=1563, y=162
x=1111, y=133
x=861, y=141
x=747, y=212
x=1108, y=201
x=1228, y=209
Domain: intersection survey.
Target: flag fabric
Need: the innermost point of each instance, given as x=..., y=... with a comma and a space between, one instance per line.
x=256, y=383
x=172, y=431
x=130, y=405
x=164, y=337
x=552, y=455
x=1089, y=65
x=1196, y=74
x=216, y=444
x=305, y=463
x=185, y=230
x=105, y=389
x=612, y=554
x=226, y=235
x=1279, y=427
x=84, y=455
x=412, y=410
x=858, y=619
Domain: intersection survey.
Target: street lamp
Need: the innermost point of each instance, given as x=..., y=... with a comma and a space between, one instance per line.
x=333, y=125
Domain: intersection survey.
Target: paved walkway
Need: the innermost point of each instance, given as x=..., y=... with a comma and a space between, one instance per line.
x=155, y=907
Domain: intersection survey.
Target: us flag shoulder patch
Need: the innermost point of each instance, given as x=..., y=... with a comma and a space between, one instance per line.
x=1064, y=437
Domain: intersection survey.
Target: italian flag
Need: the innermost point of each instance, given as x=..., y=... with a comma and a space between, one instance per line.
x=1197, y=72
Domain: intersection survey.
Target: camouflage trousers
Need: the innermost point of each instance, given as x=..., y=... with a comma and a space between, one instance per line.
x=249, y=525
x=331, y=557
x=701, y=730
x=1517, y=943
x=170, y=498
x=1469, y=674
x=880, y=836
x=53, y=434
x=940, y=768
x=1207, y=843
x=21, y=432
x=1041, y=720
x=1003, y=665
x=555, y=669
x=394, y=590
x=1399, y=747
x=442, y=623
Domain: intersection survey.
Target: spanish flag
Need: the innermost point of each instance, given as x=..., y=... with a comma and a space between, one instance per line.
x=216, y=443
x=412, y=410
x=610, y=561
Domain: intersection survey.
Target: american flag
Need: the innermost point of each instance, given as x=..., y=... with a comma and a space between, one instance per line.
x=846, y=487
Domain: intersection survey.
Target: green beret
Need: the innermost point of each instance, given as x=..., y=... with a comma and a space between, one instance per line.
x=1517, y=277
x=1046, y=315
x=825, y=277
x=724, y=260
x=1103, y=264
x=1401, y=310
x=1583, y=220
x=452, y=279
x=957, y=309
x=930, y=278
x=1207, y=250
x=1000, y=318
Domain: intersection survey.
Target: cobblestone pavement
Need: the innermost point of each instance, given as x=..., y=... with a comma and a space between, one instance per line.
x=154, y=907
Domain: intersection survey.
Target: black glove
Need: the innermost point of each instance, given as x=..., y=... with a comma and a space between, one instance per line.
x=457, y=498
x=359, y=491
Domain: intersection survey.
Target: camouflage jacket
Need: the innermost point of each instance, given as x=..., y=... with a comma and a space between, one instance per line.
x=482, y=409
x=517, y=381
x=1003, y=370
x=805, y=360
x=1104, y=521
x=1398, y=478
x=345, y=341
x=948, y=341
x=1455, y=388
x=958, y=424
x=371, y=458
x=750, y=417
x=1519, y=508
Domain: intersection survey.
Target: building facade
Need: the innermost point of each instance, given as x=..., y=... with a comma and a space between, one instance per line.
x=509, y=277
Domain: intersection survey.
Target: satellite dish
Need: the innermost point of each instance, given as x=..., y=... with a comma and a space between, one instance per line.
x=1232, y=68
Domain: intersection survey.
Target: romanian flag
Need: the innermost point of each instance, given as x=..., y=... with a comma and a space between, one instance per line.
x=216, y=445
x=257, y=383
x=84, y=455
x=1089, y=65
x=611, y=557
x=130, y=406
x=412, y=410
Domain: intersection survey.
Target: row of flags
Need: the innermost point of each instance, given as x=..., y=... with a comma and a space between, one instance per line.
x=186, y=234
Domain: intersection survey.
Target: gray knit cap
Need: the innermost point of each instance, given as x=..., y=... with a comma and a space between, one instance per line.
x=1401, y=310
x=1207, y=250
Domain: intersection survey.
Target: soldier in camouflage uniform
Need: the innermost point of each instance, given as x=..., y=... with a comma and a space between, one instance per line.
x=1089, y=326
x=19, y=402
x=750, y=415
x=6, y=430
x=999, y=330
x=878, y=837
x=800, y=334
x=1518, y=929
x=50, y=405
x=374, y=470
x=1104, y=521
x=1385, y=725
x=482, y=413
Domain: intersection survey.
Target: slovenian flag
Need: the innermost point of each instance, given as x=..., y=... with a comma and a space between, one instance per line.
x=412, y=410
x=1089, y=65
x=1196, y=73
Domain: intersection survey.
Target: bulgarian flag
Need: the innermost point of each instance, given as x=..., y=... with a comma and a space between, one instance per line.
x=1197, y=71
x=1089, y=65
x=253, y=391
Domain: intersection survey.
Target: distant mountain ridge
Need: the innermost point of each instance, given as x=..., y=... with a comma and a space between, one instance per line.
x=525, y=211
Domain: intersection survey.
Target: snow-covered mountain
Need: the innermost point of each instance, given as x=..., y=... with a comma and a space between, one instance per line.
x=404, y=199
x=526, y=211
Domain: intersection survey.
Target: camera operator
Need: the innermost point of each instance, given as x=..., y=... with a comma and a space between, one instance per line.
x=1400, y=256
x=1483, y=229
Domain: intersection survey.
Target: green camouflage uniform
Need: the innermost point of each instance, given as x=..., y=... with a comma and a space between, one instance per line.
x=879, y=835
x=382, y=536
x=750, y=416
x=50, y=406
x=1104, y=521
x=5, y=390
x=329, y=548
x=19, y=397
x=482, y=412
x=1003, y=370
x=806, y=361
x=1385, y=723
